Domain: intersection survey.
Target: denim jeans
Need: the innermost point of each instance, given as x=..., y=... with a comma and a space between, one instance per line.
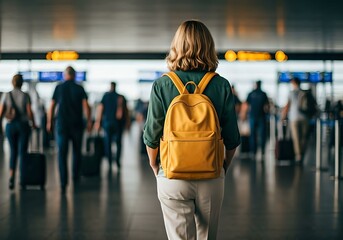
x=18, y=134
x=110, y=135
x=257, y=132
x=63, y=137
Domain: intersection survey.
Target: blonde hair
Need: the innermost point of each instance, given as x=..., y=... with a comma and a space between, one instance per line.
x=192, y=48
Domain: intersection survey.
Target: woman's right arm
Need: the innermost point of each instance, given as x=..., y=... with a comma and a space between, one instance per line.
x=153, y=128
x=152, y=154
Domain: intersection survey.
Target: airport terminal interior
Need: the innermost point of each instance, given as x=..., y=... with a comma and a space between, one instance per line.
x=268, y=194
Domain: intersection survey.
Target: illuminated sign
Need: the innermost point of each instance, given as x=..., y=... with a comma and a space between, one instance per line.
x=253, y=56
x=62, y=55
x=245, y=56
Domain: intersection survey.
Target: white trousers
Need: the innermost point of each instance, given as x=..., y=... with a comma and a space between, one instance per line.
x=191, y=209
x=299, y=130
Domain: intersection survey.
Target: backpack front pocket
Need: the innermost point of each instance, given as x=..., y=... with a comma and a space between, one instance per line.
x=192, y=152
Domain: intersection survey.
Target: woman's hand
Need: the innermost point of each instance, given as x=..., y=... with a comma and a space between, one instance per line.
x=155, y=168
x=152, y=153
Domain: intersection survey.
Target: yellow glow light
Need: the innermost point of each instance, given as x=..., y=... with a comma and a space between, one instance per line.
x=280, y=56
x=230, y=56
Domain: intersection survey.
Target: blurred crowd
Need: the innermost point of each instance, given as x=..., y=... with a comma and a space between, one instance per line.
x=69, y=115
x=65, y=121
x=293, y=124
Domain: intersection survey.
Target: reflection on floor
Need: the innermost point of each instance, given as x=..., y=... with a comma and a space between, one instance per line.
x=262, y=201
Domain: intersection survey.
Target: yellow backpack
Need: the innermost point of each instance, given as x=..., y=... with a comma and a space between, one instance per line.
x=191, y=147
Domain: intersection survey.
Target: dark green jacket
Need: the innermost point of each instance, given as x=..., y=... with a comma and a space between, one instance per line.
x=218, y=90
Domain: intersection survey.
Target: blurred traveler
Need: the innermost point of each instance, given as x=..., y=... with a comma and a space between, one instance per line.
x=338, y=110
x=113, y=116
x=297, y=118
x=38, y=110
x=141, y=110
x=1, y=128
x=16, y=108
x=238, y=102
x=70, y=99
x=191, y=208
x=258, y=107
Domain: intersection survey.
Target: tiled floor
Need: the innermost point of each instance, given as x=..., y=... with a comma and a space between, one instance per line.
x=262, y=201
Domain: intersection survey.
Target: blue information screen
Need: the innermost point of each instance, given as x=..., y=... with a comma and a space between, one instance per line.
x=309, y=77
x=80, y=76
x=327, y=77
x=56, y=76
x=303, y=76
x=50, y=76
x=315, y=77
x=285, y=77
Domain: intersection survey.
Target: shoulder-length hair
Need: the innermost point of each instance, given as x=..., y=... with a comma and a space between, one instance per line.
x=192, y=48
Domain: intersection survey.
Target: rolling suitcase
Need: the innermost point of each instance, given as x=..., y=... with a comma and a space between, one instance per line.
x=284, y=145
x=90, y=165
x=96, y=145
x=34, y=169
x=244, y=130
x=284, y=150
x=245, y=148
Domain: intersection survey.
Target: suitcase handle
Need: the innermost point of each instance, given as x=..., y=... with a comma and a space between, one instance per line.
x=283, y=130
x=39, y=142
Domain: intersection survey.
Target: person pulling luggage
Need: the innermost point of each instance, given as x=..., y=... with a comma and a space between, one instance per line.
x=16, y=108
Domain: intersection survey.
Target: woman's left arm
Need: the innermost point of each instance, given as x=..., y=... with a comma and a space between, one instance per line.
x=30, y=114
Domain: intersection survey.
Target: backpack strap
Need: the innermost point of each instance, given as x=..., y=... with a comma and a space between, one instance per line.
x=205, y=81
x=14, y=105
x=177, y=82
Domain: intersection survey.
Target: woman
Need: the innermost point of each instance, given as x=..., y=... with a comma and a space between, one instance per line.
x=191, y=208
x=16, y=108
